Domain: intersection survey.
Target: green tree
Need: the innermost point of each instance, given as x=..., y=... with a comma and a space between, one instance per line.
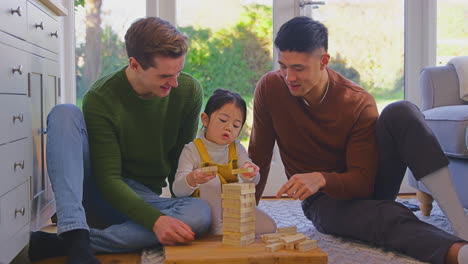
x=232, y=58
x=112, y=57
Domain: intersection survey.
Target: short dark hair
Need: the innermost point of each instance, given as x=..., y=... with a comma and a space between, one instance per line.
x=151, y=37
x=302, y=34
x=221, y=97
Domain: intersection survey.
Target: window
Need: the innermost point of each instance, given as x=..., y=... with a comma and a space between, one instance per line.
x=100, y=27
x=230, y=45
x=366, y=44
x=452, y=29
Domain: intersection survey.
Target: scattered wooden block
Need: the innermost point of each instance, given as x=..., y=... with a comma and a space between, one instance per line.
x=243, y=170
x=273, y=247
x=272, y=241
x=209, y=169
x=271, y=236
x=299, y=237
x=289, y=246
x=292, y=230
x=306, y=245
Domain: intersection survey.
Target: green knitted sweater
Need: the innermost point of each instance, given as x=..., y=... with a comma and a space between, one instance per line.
x=136, y=138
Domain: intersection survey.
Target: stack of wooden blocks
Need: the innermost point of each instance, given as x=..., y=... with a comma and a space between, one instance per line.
x=288, y=238
x=238, y=214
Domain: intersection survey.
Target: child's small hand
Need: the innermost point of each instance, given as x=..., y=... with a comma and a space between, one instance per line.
x=198, y=177
x=250, y=174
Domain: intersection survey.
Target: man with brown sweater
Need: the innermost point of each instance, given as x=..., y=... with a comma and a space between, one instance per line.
x=344, y=161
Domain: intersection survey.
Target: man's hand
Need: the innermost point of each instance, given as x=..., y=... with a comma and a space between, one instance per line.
x=250, y=174
x=172, y=231
x=301, y=186
x=198, y=177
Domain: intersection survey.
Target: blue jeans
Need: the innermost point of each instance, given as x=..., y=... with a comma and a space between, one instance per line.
x=68, y=164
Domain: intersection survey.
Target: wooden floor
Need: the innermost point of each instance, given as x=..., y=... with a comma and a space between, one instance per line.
x=106, y=259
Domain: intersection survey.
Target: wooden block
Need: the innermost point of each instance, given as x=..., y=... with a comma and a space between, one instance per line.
x=299, y=237
x=238, y=220
x=234, y=213
x=271, y=236
x=244, y=227
x=209, y=169
x=236, y=195
x=306, y=245
x=273, y=247
x=272, y=241
x=238, y=188
x=243, y=170
x=238, y=212
x=292, y=230
x=238, y=236
x=238, y=239
x=240, y=201
x=242, y=243
x=238, y=204
x=289, y=246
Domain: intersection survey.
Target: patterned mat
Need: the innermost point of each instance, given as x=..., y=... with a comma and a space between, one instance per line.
x=339, y=250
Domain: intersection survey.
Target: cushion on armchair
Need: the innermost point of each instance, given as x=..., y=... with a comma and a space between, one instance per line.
x=449, y=124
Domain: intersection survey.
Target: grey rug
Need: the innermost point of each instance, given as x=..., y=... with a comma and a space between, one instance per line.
x=339, y=250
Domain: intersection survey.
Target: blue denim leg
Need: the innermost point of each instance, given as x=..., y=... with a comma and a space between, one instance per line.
x=129, y=236
x=67, y=144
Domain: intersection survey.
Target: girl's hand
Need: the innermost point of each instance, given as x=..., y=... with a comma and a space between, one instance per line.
x=250, y=174
x=198, y=177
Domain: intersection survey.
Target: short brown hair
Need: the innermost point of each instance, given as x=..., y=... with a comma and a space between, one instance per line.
x=151, y=37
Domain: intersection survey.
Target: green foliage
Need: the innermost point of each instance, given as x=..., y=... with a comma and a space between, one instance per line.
x=113, y=57
x=339, y=65
x=79, y=3
x=233, y=58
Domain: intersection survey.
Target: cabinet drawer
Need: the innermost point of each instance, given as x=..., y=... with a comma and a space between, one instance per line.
x=13, y=70
x=14, y=211
x=13, y=17
x=43, y=30
x=16, y=163
x=15, y=118
x=8, y=251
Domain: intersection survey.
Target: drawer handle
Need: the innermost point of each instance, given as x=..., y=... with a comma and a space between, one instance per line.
x=41, y=25
x=18, y=69
x=54, y=34
x=19, y=164
x=17, y=11
x=20, y=211
x=19, y=117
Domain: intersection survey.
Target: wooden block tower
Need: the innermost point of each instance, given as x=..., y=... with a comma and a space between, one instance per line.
x=238, y=213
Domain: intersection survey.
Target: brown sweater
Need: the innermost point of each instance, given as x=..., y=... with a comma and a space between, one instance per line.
x=336, y=137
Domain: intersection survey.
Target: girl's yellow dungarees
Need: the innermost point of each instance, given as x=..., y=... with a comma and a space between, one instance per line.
x=224, y=170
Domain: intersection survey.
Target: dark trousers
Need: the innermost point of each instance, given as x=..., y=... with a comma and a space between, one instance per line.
x=404, y=140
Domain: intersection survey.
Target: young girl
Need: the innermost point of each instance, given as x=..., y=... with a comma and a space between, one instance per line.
x=223, y=118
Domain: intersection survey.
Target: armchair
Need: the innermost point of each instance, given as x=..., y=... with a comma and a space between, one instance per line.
x=447, y=115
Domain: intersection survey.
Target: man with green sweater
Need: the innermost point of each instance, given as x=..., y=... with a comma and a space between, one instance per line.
x=109, y=173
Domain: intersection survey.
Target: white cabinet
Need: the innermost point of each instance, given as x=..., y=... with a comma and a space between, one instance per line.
x=29, y=88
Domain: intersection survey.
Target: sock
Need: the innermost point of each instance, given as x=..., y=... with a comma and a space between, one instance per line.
x=463, y=255
x=79, y=248
x=45, y=245
x=441, y=186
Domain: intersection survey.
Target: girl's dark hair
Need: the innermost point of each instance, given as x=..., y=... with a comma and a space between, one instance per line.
x=221, y=97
